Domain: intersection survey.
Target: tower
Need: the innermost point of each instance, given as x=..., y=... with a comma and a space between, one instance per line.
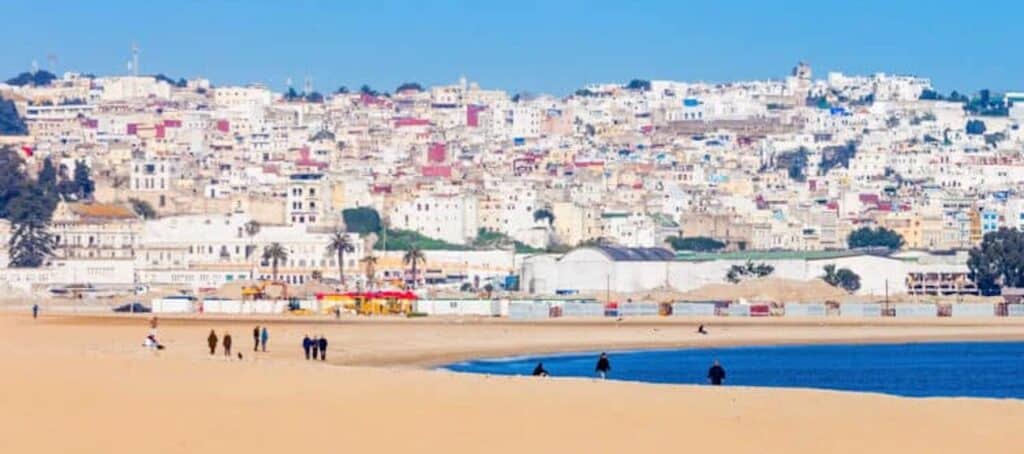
x=135, y=59
x=307, y=86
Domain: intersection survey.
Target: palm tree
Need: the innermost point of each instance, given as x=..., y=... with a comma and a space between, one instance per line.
x=340, y=244
x=413, y=257
x=370, y=262
x=275, y=253
x=251, y=229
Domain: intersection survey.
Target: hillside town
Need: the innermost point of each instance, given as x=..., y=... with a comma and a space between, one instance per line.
x=621, y=187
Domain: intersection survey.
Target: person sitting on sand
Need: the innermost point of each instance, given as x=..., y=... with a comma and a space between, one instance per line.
x=700, y=330
x=716, y=374
x=540, y=371
x=211, y=340
x=307, y=345
x=603, y=366
x=227, y=345
x=322, y=344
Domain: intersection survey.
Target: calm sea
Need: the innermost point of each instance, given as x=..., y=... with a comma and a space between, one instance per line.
x=970, y=369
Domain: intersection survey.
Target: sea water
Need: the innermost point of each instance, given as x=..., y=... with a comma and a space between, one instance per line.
x=968, y=369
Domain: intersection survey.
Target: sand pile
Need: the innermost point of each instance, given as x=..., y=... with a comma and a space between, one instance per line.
x=770, y=289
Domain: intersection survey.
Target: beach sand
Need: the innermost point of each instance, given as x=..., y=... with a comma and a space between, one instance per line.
x=84, y=384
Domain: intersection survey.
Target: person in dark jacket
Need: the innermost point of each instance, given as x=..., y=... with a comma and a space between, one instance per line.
x=307, y=345
x=603, y=366
x=322, y=344
x=314, y=345
x=211, y=340
x=256, y=338
x=35, y=311
x=264, y=337
x=540, y=371
x=227, y=345
x=716, y=374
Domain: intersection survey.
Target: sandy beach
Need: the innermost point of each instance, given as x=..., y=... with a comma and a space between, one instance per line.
x=84, y=384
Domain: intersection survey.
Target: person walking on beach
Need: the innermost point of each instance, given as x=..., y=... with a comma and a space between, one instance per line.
x=603, y=366
x=211, y=340
x=227, y=345
x=314, y=345
x=716, y=374
x=264, y=337
x=322, y=344
x=35, y=310
x=307, y=345
x=540, y=371
x=256, y=338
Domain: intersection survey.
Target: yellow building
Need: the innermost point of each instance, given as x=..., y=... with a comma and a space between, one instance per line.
x=908, y=225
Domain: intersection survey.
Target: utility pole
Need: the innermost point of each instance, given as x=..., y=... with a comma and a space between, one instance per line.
x=135, y=59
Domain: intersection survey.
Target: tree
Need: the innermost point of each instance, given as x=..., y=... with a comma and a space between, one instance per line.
x=275, y=253
x=30, y=243
x=370, y=267
x=695, y=243
x=13, y=179
x=975, y=127
x=37, y=78
x=83, y=182
x=291, y=94
x=413, y=257
x=10, y=122
x=409, y=86
x=342, y=90
x=544, y=213
x=252, y=228
x=739, y=273
x=865, y=237
x=314, y=97
x=47, y=178
x=340, y=244
x=843, y=278
x=832, y=157
x=366, y=90
x=142, y=208
x=998, y=261
x=639, y=84
x=361, y=220
x=930, y=95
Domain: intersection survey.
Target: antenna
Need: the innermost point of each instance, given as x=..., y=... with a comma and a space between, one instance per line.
x=135, y=59
x=307, y=87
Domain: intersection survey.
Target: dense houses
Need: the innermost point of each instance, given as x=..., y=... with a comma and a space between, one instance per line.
x=794, y=164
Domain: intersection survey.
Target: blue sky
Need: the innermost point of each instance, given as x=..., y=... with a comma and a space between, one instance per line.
x=537, y=46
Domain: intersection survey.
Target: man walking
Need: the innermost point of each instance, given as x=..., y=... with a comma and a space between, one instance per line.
x=322, y=343
x=716, y=374
x=35, y=310
x=603, y=366
x=307, y=345
x=227, y=345
x=264, y=337
x=315, y=346
x=211, y=340
x=256, y=338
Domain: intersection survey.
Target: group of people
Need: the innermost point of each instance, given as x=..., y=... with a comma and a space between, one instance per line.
x=260, y=336
x=314, y=347
x=716, y=373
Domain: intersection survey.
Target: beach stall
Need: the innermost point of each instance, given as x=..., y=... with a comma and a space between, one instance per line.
x=582, y=309
x=916, y=310
x=805, y=310
x=460, y=307
x=860, y=310
x=528, y=310
x=173, y=305
x=693, y=309
x=638, y=309
x=966, y=310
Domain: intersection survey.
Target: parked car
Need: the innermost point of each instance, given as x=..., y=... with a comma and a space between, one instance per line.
x=133, y=307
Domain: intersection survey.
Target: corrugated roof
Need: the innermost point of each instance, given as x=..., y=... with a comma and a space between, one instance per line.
x=636, y=254
x=101, y=211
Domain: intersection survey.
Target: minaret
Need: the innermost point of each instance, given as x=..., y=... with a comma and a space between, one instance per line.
x=135, y=59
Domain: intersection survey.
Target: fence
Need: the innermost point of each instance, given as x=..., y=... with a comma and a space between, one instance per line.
x=579, y=309
x=973, y=310
x=693, y=309
x=528, y=310
x=913, y=310
x=637, y=309
x=805, y=310
x=860, y=310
